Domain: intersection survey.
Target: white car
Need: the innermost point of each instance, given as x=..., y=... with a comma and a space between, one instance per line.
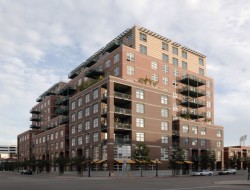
x=202, y=173
x=227, y=172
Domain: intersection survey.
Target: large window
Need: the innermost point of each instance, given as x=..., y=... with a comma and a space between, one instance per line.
x=203, y=142
x=203, y=131
x=87, y=98
x=143, y=49
x=95, y=108
x=164, y=126
x=164, y=68
x=95, y=94
x=164, y=112
x=79, y=141
x=165, y=57
x=155, y=77
x=73, y=105
x=139, y=108
x=140, y=137
x=139, y=122
x=73, y=141
x=87, y=111
x=164, y=46
x=164, y=153
x=95, y=122
x=139, y=93
x=201, y=62
x=79, y=102
x=79, y=114
x=86, y=139
x=194, y=142
x=116, y=71
x=175, y=62
x=107, y=64
x=73, y=117
x=184, y=65
x=130, y=70
x=186, y=141
x=185, y=128
x=79, y=127
x=116, y=58
x=195, y=130
x=201, y=71
x=175, y=50
x=218, y=143
x=130, y=57
x=87, y=125
x=95, y=136
x=143, y=37
x=73, y=129
x=175, y=72
x=219, y=133
x=184, y=54
x=154, y=65
x=165, y=80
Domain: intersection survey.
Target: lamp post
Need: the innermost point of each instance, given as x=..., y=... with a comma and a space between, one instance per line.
x=89, y=168
x=156, y=168
x=141, y=160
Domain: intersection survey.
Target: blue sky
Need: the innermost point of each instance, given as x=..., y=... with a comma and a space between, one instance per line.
x=42, y=41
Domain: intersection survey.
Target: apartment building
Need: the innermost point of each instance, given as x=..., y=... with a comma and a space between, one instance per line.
x=140, y=87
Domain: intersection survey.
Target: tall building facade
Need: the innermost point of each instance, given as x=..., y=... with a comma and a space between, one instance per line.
x=140, y=88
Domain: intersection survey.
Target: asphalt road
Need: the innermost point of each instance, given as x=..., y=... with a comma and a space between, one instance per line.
x=15, y=181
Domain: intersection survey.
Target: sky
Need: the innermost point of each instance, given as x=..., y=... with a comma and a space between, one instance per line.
x=41, y=41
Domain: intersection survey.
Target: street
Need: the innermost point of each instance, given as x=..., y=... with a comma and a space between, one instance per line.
x=16, y=181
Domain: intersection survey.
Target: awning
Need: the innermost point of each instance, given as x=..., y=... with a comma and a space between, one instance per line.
x=188, y=162
x=179, y=162
x=100, y=161
x=119, y=161
x=125, y=161
x=154, y=162
x=130, y=162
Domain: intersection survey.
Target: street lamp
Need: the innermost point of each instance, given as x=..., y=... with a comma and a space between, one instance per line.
x=156, y=168
x=89, y=167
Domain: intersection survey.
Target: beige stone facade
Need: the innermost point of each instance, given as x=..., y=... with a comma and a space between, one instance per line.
x=141, y=87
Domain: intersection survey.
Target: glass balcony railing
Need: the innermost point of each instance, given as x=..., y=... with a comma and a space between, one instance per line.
x=122, y=96
x=122, y=111
x=124, y=126
x=192, y=80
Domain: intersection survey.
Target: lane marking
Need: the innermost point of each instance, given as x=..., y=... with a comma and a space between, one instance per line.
x=194, y=188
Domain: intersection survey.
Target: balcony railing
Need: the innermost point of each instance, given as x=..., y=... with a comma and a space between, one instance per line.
x=192, y=80
x=34, y=111
x=104, y=127
x=122, y=111
x=122, y=96
x=193, y=103
x=34, y=127
x=122, y=141
x=123, y=126
x=94, y=73
x=104, y=96
x=104, y=111
x=35, y=118
x=64, y=120
x=192, y=114
x=176, y=133
x=192, y=91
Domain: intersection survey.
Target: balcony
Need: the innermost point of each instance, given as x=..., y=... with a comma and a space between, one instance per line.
x=34, y=111
x=64, y=120
x=112, y=46
x=35, y=119
x=34, y=127
x=122, y=141
x=192, y=103
x=122, y=111
x=104, y=97
x=122, y=96
x=93, y=73
x=122, y=126
x=192, y=114
x=68, y=90
x=62, y=110
x=104, y=141
x=104, y=111
x=62, y=101
x=104, y=127
x=192, y=80
x=176, y=133
x=90, y=62
x=192, y=91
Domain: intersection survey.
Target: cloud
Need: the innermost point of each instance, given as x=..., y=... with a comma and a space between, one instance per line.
x=42, y=41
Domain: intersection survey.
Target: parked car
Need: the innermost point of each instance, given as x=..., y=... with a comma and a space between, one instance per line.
x=227, y=172
x=28, y=172
x=202, y=173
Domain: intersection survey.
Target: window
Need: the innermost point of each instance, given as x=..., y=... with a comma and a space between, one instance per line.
x=73, y=105
x=79, y=128
x=164, y=68
x=164, y=153
x=201, y=71
x=175, y=107
x=164, y=112
x=95, y=94
x=209, y=104
x=164, y=126
x=208, y=83
x=194, y=142
x=116, y=58
x=87, y=138
x=175, y=95
x=139, y=108
x=61, y=133
x=95, y=122
x=139, y=93
x=175, y=50
x=208, y=93
x=143, y=49
x=143, y=37
x=175, y=62
x=218, y=143
x=107, y=64
x=79, y=102
x=155, y=77
x=195, y=130
x=87, y=125
x=79, y=141
x=79, y=114
x=140, y=137
x=57, y=145
x=87, y=111
x=164, y=139
x=95, y=108
x=201, y=61
x=61, y=144
x=130, y=70
x=184, y=54
x=130, y=37
x=203, y=131
x=184, y=65
x=175, y=73
x=73, y=129
x=218, y=156
x=165, y=80
x=95, y=137
x=165, y=57
x=96, y=153
x=87, y=98
x=186, y=141
x=219, y=133
x=203, y=142
x=73, y=117
x=175, y=84
x=164, y=46
x=73, y=142
x=209, y=114
x=154, y=65
x=164, y=99
x=139, y=122
x=185, y=128
x=130, y=57
x=116, y=71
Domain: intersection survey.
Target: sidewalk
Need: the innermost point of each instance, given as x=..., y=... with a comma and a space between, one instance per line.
x=234, y=182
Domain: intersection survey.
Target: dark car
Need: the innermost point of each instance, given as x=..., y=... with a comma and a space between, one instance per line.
x=28, y=172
